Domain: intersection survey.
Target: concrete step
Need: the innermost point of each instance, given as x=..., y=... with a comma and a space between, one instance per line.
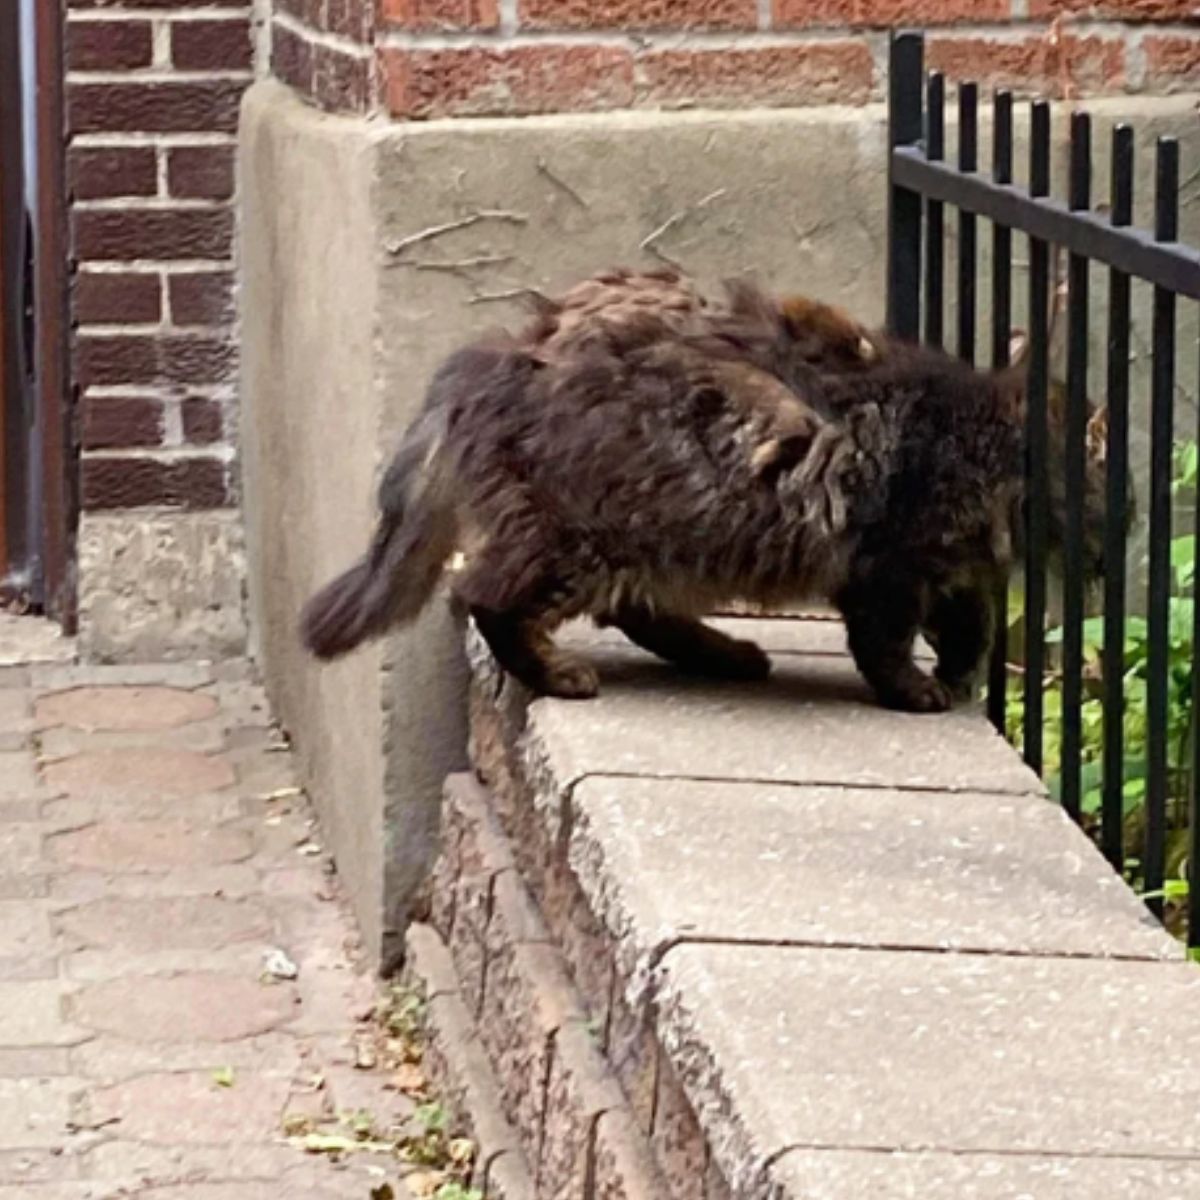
x=803, y=927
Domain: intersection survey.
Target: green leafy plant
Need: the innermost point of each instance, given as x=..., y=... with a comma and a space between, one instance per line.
x=1134, y=722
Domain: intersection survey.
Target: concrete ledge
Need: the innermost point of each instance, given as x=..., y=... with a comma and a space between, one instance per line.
x=809, y=938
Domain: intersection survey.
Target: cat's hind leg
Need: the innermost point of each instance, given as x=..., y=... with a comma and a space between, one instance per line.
x=525, y=649
x=959, y=627
x=690, y=644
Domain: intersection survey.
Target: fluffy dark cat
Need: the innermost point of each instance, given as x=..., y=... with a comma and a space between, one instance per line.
x=645, y=482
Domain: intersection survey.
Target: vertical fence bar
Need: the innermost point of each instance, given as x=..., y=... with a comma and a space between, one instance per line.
x=935, y=213
x=905, y=119
x=968, y=163
x=1079, y=199
x=1002, y=172
x=1193, y=853
x=1162, y=401
x=1035, y=442
x=1112, y=832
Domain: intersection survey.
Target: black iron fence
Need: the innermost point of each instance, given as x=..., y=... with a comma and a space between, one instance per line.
x=1135, y=787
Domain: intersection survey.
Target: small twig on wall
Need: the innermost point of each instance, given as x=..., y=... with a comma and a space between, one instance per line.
x=458, y=266
x=436, y=231
x=675, y=219
x=511, y=294
x=544, y=169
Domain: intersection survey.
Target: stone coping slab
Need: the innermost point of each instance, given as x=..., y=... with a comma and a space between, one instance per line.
x=836, y=1174
x=784, y=1050
x=813, y=722
x=662, y=861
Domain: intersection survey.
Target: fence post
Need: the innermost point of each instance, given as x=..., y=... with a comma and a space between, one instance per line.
x=905, y=119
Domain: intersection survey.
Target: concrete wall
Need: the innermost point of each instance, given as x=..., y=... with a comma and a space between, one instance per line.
x=341, y=335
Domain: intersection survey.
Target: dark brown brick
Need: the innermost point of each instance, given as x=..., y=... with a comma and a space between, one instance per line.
x=291, y=59
x=884, y=14
x=201, y=297
x=131, y=298
x=109, y=45
x=211, y=45
x=835, y=72
x=310, y=12
x=160, y=4
x=129, y=233
x=638, y=14
x=105, y=172
x=146, y=359
x=341, y=82
x=206, y=106
x=203, y=421
x=121, y=422
x=201, y=172
x=517, y=81
x=147, y=482
x=436, y=15
x=353, y=19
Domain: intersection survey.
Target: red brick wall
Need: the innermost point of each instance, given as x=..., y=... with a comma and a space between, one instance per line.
x=153, y=88
x=509, y=57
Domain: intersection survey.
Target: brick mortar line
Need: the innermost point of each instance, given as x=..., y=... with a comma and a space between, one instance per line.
x=117, y=139
x=157, y=75
x=165, y=454
x=774, y=37
x=171, y=16
x=163, y=327
x=322, y=37
x=153, y=266
x=222, y=394
x=158, y=203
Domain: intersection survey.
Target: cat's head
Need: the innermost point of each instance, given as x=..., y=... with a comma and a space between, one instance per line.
x=826, y=336
x=1014, y=382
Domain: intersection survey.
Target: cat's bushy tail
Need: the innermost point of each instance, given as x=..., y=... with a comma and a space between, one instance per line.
x=414, y=537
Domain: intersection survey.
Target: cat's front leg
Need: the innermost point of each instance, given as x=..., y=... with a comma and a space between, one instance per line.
x=959, y=626
x=882, y=616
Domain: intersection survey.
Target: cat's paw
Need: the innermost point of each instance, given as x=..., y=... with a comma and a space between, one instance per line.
x=740, y=660
x=569, y=679
x=962, y=690
x=920, y=694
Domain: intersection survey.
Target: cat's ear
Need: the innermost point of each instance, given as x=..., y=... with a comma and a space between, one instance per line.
x=1011, y=385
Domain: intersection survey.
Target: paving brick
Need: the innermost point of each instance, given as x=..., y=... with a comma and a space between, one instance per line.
x=31, y=1014
x=140, y=771
x=213, y=1008
x=82, y=886
x=22, y=967
x=34, y=1061
x=18, y=773
x=24, y=928
x=59, y=677
x=34, y=1112
x=20, y=849
x=204, y=737
x=153, y=846
x=147, y=707
x=172, y=923
x=109, y=1060
x=186, y=1108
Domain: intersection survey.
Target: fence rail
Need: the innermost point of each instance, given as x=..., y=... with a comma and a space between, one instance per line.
x=922, y=184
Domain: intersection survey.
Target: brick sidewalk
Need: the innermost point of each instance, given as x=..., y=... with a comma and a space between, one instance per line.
x=154, y=851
